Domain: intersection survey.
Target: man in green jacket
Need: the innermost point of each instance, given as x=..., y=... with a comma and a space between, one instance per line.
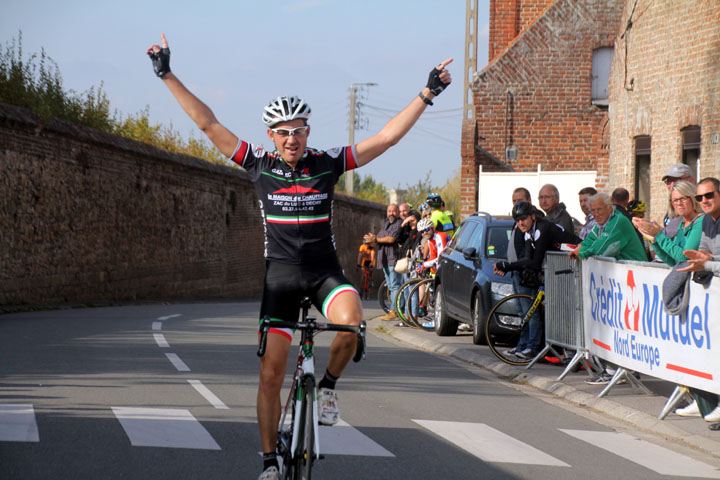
x=613, y=236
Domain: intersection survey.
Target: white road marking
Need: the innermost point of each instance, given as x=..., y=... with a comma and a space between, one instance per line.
x=651, y=456
x=179, y=364
x=157, y=326
x=170, y=428
x=160, y=340
x=344, y=439
x=209, y=396
x=170, y=316
x=489, y=444
x=17, y=423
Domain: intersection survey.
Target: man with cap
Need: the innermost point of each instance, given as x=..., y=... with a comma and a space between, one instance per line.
x=540, y=236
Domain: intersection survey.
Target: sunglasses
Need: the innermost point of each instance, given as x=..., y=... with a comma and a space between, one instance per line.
x=286, y=132
x=680, y=200
x=521, y=218
x=427, y=230
x=708, y=196
x=670, y=180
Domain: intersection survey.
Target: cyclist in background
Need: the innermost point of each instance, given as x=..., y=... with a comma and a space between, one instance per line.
x=433, y=245
x=366, y=262
x=441, y=221
x=299, y=247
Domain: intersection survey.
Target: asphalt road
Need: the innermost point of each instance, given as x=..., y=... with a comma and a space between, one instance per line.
x=168, y=391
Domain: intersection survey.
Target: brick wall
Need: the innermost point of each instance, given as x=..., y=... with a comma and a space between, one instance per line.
x=87, y=216
x=536, y=96
x=510, y=17
x=664, y=78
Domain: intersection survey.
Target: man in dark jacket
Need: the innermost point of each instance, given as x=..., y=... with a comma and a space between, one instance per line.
x=541, y=236
x=555, y=210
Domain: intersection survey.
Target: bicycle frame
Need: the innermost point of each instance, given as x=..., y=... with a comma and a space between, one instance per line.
x=538, y=299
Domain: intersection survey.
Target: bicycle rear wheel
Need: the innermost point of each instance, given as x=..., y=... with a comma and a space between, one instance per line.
x=404, y=295
x=504, y=324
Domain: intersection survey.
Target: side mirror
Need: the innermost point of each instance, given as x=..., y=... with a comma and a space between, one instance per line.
x=469, y=253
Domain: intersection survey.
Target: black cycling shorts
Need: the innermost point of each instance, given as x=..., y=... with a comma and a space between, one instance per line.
x=286, y=285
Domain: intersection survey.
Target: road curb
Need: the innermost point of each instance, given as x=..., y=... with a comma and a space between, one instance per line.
x=617, y=411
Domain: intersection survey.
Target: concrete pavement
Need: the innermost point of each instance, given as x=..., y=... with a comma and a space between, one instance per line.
x=622, y=403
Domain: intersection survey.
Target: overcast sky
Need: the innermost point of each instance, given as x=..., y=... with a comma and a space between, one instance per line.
x=236, y=56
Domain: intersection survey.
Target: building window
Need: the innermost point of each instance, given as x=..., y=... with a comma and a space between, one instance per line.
x=691, y=148
x=642, y=169
x=601, y=61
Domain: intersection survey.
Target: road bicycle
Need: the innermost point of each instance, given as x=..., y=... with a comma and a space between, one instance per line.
x=366, y=283
x=298, y=445
x=420, y=293
x=507, y=319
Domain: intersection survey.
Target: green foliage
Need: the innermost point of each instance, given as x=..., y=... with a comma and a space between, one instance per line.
x=36, y=84
x=138, y=127
x=415, y=194
x=365, y=187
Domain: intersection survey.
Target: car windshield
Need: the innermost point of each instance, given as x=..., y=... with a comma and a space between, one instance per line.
x=498, y=238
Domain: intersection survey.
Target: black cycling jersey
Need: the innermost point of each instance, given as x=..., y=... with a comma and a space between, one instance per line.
x=296, y=203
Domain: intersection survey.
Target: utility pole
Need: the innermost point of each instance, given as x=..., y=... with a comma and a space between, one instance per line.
x=350, y=174
x=471, y=19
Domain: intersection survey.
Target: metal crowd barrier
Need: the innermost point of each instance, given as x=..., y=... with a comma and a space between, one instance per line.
x=564, y=311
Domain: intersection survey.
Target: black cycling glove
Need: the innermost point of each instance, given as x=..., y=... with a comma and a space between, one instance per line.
x=503, y=266
x=160, y=61
x=436, y=85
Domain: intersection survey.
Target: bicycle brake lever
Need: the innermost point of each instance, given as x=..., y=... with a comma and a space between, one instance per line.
x=264, y=328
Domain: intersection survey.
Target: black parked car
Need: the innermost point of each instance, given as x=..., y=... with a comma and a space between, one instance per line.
x=465, y=283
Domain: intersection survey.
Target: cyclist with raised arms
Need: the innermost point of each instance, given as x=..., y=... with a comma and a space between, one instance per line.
x=295, y=185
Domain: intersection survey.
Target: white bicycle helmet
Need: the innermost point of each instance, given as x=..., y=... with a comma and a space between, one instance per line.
x=284, y=109
x=424, y=224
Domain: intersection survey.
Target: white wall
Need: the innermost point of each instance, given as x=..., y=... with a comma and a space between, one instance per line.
x=495, y=189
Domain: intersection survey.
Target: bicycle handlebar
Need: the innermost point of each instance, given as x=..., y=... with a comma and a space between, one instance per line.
x=314, y=327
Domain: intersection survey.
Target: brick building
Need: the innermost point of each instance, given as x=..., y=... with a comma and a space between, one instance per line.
x=535, y=101
x=664, y=95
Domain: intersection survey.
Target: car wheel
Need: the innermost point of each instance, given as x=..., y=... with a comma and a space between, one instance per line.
x=444, y=325
x=478, y=321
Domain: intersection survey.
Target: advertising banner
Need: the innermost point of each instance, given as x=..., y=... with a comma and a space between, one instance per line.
x=626, y=323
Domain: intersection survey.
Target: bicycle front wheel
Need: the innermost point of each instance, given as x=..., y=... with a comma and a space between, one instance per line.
x=425, y=318
x=303, y=457
x=309, y=429
x=384, y=297
x=504, y=324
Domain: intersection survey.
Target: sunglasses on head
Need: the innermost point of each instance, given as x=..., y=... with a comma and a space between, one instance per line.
x=707, y=195
x=286, y=132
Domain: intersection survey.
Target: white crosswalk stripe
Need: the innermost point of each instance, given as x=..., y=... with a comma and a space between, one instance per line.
x=157, y=427
x=178, y=428
x=654, y=457
x=17, y=423
x=489, y=444
x=344, y=439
